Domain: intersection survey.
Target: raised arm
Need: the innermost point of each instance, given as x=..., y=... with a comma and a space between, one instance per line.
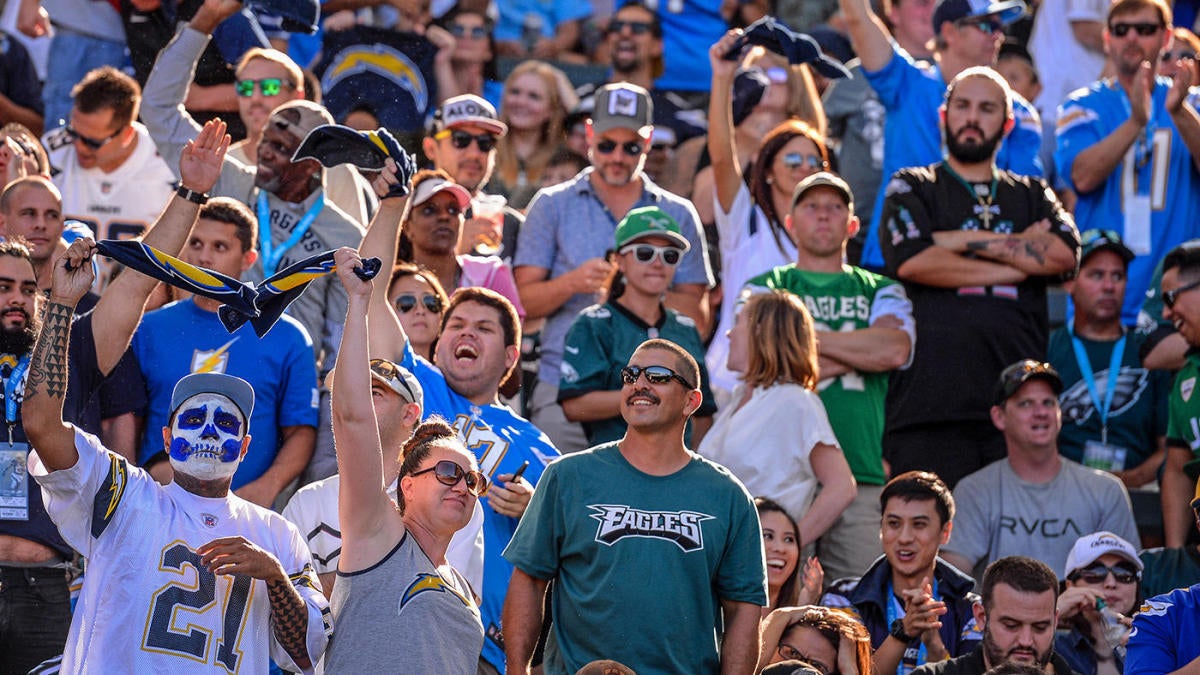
x=386, y=335
x=46, y=385
x=868, y=35
x=1094, y=165
x=722, y=147
x=369, y=521
x=120, y=308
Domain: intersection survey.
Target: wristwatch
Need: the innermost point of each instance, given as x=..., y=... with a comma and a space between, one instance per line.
x=897, y=631
x=191, y=195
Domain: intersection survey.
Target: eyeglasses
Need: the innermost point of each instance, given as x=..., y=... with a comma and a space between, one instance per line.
x=92, y=143
x=1172, y=57
x=448, y=473
x=795, y=160
x=1169, y=298
x=1097, y=573
x=475, y=32
x=461, y=139
x=406, y=302
x=1143, y=29
x=635, y=27
x=646, y=253
x=986, y=26
x=790, y=653
x=393, y=377
x=269, y=86
x=654, y=375
x=430, y=210
x=631, y=148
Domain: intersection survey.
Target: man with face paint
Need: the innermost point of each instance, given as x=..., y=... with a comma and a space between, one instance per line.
x=141, y=538
x=296, y=218
x=34, y=613
x=976, y=247
x=1018, y=616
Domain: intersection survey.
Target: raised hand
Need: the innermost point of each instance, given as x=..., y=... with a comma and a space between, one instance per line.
x=722, y=66
x=1140, y=101
x=73, y=273
x=347, y=260
x=1185, y=70
x=203, y=156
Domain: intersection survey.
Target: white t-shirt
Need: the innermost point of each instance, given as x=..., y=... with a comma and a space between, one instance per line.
x=1053, y=46
x=314, y=509
x=147, y=604
x=767, y=442
x=117, y=205
x=747, y=250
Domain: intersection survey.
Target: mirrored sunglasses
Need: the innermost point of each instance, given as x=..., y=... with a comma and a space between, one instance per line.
x=659, y=375
x=269, y=86
x=407, y=302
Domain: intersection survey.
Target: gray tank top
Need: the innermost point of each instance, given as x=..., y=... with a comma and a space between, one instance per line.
x=401, y=616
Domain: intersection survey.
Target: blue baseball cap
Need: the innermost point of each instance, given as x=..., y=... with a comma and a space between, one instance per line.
x=1006, y=11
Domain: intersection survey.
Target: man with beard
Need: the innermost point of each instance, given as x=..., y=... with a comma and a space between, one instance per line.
x=140, y=538
x=606, y=522
x=976, y=247
x=1130, y=146
x=34, y=556
x=1018, y=617
x=560, y=263
x=1114, y=408
x=296, y=219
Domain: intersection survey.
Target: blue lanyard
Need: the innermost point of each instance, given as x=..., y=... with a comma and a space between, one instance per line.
x=10, y=393
x=271, y=255
x=1089, y=376
x=894, y=611
x=1144, y=146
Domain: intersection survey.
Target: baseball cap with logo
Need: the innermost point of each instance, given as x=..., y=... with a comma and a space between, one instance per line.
x=399, y=380
x=1006, y=11
x=623, y=106
x=299, y=117
x=1017, y=374
x=1089, y=548
x=468, y=109
x=823, y=179
x=649, y=221
x=1103, y=240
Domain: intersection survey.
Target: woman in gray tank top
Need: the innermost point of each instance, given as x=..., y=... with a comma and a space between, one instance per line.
x=398, y=606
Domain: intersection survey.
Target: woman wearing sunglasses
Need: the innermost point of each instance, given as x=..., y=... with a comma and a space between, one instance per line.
x=648, y=248
x=429, y=236
x=827, y=639
x=392, y=553
x=1101, y=594
x=773, y=347
x=419, y=300
x=751, y=217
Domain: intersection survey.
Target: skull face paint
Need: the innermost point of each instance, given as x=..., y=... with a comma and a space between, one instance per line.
x=206, y=437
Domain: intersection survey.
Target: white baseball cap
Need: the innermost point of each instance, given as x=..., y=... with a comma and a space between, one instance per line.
x=1089, y=548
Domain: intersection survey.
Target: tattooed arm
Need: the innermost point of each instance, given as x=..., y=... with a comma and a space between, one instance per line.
x=46, y=385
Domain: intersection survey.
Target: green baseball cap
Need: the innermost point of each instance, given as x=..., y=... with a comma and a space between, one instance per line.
x=649, y=221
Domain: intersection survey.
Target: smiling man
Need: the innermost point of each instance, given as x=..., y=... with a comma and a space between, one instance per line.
x=1181, y=306
x=1034, y=502
x=620, y=510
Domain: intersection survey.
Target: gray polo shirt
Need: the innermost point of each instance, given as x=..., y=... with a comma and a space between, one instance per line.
x=567, y=224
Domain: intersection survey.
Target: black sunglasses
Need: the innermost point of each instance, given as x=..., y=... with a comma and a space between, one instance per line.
x=461, y=139
x=635, y=27
x=406, y=302
x=1122, y=29
x=1169, y=298
x=448, y=473
x=390, y=373
x=92, y=143
x=631, y=148
x=1172, y=57
x=476, y=32
x=654, y=375
x=1097, y=572
x=269, y=86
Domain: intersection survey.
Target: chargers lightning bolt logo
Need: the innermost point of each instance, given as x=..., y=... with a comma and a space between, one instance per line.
x=427, y=581
x=108, y=497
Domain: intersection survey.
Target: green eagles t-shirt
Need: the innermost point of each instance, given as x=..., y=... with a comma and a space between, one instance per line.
x=1183, y=425
x=640, y=563
x=1138, y=413
x=848, y=301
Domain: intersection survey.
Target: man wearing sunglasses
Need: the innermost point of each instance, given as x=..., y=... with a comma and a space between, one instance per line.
x=622, y=510
x=967, y=33
x=560, y=262
x=865, y=331
x=107, y=167
x=1114, y=408
x=1034, y=501
x=1130, y=146
x=1181, y=307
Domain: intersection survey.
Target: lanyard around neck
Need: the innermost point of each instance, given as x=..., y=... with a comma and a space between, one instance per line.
x=271, y=255
x=1089, y=376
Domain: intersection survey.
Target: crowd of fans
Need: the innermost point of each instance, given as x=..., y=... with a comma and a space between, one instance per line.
x=648, y=348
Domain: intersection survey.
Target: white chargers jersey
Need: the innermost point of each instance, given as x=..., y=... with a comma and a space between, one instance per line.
x=117, y=205
x=147, y=604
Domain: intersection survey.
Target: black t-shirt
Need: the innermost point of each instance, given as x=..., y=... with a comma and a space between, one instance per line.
x=965, y=336
x=90, y=398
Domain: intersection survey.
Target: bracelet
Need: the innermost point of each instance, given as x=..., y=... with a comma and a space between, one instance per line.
x=191, y=195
